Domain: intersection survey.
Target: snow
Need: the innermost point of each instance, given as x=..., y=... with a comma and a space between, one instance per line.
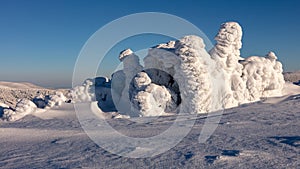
x=26, y=106
x=256, y=135
x=188, y=78
x=56, y=100
x=121, y=82
x=83, y=93
x=3, y=105
x=177, y=77
x=23, y=108
x=153, y=101
x=263, y=76
x=218, y=79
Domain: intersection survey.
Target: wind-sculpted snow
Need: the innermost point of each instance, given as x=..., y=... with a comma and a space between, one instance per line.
x=181, y=76
x=98, y=89
x=263, y=77
x=149, y=99
x=83, y=93
x=23, y=108
x=226, y=54
x=56, y=100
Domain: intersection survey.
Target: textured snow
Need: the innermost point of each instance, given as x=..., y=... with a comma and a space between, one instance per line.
x=83, y=93
x=149, y=99
x=182, y=77
x=256, y=135
x=56, y=100
x=23, y=108
x=218, y=79
x=121, y=82
x=26, y=106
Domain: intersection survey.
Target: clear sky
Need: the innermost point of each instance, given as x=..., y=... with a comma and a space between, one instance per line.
x=41, y=39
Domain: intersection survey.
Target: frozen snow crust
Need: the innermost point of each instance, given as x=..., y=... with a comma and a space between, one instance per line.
x=182, y=77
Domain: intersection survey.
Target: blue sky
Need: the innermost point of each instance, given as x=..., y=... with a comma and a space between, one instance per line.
x=40, y=40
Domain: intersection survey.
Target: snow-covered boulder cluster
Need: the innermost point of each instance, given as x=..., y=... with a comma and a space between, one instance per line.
x=90, y=90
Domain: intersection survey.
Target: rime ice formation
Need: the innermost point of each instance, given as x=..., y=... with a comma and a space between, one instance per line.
x=56, y=99
x=23, y=108
x=49, y=101
x=121, y=81
x=263, y=77
x=182, y=76
x=226, y=54
x=149, y=99
x=181, y=60
x=98, y=89
x=83, y=93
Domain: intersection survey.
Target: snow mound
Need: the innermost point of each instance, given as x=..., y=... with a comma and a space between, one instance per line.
x=23, y=108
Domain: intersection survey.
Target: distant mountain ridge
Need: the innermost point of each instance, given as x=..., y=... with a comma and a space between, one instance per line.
x=19, y=85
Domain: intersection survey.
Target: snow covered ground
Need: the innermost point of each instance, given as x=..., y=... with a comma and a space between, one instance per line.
x=10, y=92
x=256, y=135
